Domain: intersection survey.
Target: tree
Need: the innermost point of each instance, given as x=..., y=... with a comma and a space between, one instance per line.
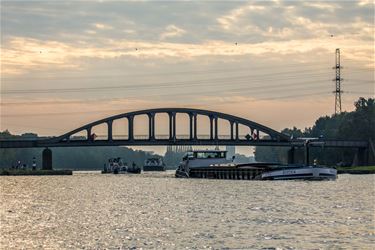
x=356, y=125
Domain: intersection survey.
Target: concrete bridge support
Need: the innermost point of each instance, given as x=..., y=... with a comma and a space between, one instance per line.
x=47, y=159
x=362, y=154
x=291, y=155
x=307, y=154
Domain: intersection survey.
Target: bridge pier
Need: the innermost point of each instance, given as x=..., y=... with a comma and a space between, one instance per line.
x=307, y=154
x=151, y=126
x=110, y=136
x=47, y=159
x=237, y=131
x=362, y=157
x=291, y=154
x=89, y=137
x=231, y=130
x=216, y=128
x=195, y=127
x=191, y=126
x=172, y=126
x=130, y=128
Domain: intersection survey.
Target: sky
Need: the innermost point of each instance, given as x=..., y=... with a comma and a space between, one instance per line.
x=65, y=64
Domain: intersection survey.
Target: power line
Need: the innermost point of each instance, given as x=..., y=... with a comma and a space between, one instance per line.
x=208, y=71
x=258, y=89
x=178, y=84
x=223, y=80
x=254, y=90
x=121, y=110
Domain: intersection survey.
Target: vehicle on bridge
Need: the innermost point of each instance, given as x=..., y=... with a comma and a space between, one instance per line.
x=212, y=164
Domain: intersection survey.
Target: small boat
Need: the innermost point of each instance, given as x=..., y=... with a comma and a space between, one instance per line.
x=154, y=164
x=134, y=169
x=289, y=172
x=117, y=166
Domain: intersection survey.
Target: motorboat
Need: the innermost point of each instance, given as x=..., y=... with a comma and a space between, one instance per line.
x=154, y=164
x=117, y=166
x=134, y=169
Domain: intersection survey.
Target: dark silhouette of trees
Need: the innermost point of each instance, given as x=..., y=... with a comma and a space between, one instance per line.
x=356, y=125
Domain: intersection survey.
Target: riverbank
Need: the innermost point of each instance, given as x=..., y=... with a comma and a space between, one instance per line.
x=356, y=170
x=35, y=172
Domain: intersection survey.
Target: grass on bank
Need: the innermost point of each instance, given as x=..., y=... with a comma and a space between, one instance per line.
x=360, y=168
x=34, y=172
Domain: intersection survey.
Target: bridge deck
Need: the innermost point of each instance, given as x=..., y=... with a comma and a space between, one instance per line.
x=163, y=142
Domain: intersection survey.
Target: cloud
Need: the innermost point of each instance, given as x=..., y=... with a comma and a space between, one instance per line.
x=91, y=32
x=21, y=54
x=323, y=6
x=296, y=21
x=172, y=31
x=365, y=2
x=102, y=26
x=228, y=22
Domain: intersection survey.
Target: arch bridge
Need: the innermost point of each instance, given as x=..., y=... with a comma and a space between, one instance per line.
x=256, y=134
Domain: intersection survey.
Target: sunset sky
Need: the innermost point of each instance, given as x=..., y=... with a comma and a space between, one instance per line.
x=65, y=63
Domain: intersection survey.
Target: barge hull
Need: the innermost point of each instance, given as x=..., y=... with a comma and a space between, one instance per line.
x=227, y=173
x=153, y=168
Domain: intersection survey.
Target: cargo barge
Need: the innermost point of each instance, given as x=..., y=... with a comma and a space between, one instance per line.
x=212, y=164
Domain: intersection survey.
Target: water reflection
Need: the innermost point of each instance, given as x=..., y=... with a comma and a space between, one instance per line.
x=155, y=210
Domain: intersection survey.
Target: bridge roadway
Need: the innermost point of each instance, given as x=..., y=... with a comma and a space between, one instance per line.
x=50, y=142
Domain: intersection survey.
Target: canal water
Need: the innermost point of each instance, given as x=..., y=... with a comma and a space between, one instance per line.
x=155, y=210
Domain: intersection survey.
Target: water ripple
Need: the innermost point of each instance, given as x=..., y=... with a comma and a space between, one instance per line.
x=157, y=211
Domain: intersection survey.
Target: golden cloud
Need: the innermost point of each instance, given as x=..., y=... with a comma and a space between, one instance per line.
x=21, y=54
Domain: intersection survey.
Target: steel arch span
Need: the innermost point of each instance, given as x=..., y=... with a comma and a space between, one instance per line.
x=257, y=134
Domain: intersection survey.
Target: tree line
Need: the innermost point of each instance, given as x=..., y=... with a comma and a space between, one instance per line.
x=356, y=125
x=77, y=158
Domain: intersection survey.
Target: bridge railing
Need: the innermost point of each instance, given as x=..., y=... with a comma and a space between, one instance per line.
x=157, y=137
